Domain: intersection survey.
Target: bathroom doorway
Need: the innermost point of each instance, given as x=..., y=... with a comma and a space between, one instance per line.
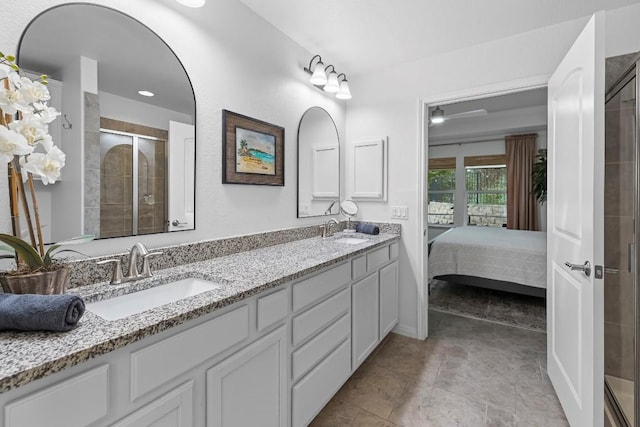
x=622, y=367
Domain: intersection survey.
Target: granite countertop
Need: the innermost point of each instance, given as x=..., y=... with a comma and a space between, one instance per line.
x=30, y=356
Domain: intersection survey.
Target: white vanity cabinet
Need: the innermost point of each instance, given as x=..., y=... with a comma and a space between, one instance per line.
x=250, y=387
x=378, y=289
x=273, y=359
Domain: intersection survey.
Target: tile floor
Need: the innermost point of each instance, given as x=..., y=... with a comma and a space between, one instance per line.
x=467, y=373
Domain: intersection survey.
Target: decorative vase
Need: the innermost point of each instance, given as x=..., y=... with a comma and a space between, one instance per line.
x=44, y=283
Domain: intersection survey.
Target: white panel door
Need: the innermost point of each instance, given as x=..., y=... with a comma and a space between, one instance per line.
x=575, y=314
x=181, y=176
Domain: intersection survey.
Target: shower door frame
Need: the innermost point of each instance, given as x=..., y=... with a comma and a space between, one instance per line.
x=633, y=71
x=135, y=177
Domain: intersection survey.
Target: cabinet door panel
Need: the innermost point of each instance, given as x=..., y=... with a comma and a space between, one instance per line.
x=388, y=298
x=364, y=309
x=250, y=387
x=174, y=409
x=89, y=392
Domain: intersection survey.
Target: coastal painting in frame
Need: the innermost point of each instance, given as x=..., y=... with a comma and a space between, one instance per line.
x=252, y=152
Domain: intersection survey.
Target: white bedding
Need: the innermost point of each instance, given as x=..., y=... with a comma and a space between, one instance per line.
x=494, y=253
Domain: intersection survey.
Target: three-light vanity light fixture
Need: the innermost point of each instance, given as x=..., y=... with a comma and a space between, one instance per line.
x=332, y=83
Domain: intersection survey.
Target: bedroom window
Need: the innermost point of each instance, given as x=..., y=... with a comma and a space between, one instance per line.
x=486, y=185
x=442, y=188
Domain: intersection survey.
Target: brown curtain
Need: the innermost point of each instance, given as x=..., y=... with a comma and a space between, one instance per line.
x=522, y=208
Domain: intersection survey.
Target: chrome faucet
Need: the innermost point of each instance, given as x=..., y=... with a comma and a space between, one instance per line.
x=326, y=227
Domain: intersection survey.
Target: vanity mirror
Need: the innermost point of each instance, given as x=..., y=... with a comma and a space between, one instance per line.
x=350, y=209
x=127, y=125
x=318, y=164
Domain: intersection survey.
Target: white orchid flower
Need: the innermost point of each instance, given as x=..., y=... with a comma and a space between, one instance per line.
x=12, y=144
x=47, y=166
x=47, y=114
x=31, y=127
x=12, y=100
x=33, y=91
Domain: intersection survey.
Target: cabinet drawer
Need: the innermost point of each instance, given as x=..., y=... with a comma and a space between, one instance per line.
x=358, y=267
x=313, y=351
x=317, y=387
x=377, y=257
x=77, y=401
x=316, y=318
x=272, y=309
x=393, y=250
x=321, y=285
x=164, y=360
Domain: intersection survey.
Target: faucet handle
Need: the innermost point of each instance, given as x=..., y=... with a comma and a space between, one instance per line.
x=146, y=268
x=116, y=277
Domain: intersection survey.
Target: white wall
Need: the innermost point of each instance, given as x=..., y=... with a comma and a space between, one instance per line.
x=388, y=102
x=236, y=61
x=128, y=110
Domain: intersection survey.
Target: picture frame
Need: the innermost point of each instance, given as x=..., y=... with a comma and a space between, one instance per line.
x=252, y=151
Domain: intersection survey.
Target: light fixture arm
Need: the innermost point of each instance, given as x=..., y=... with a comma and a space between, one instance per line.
x=343, y=75
x=310, y=68
x=327, y=67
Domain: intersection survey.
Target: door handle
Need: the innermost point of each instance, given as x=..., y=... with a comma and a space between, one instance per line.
x=177, y=223
x=585, y=268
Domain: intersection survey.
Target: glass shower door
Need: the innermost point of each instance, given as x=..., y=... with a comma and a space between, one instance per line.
x=619, y=238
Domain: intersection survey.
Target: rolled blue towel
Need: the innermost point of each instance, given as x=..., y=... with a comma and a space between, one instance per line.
x=26, y=312
x=367, y=229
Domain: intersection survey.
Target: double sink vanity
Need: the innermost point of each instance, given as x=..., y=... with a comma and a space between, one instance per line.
x=260, y=337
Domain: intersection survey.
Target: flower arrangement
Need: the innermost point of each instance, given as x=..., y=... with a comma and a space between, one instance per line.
x=26, y=147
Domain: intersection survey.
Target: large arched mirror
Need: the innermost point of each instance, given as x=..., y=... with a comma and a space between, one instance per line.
x=127, y=124
x=318, y=164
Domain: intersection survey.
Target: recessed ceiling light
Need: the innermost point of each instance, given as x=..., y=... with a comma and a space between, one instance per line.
x=192, y=3
x=146, y=93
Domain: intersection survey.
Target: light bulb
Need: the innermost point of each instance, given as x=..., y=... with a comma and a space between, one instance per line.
x=319, y=77
x=344, y=92
x=437, y=116
x=332, y=85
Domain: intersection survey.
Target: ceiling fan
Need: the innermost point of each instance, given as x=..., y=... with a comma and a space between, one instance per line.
x=438, y=116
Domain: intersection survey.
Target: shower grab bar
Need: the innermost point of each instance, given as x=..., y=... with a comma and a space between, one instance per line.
x=632, y=256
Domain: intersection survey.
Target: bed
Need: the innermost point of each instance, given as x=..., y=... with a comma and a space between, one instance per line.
x=491, y=257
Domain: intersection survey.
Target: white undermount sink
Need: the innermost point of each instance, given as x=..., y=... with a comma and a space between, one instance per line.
x=137, y=302
x=351, y=240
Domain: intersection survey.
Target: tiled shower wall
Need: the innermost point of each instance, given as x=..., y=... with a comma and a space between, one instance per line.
x=620, y=188
x=91, y=164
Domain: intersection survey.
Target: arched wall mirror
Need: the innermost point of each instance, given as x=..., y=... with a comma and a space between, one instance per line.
x=127, y=124
x=318, y=164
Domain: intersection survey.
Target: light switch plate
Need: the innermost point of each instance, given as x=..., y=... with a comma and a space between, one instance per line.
x=399, y=212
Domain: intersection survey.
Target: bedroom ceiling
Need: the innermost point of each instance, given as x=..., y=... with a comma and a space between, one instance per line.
x=361, y=35
x=519, y=112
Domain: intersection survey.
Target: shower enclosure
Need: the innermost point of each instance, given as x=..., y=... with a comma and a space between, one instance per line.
x=622, y=360
x=133, y=184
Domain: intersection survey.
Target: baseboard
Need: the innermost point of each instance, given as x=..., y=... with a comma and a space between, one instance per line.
x=407, y=331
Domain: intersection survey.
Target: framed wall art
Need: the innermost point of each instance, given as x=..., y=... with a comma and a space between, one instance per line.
x=252, y=151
